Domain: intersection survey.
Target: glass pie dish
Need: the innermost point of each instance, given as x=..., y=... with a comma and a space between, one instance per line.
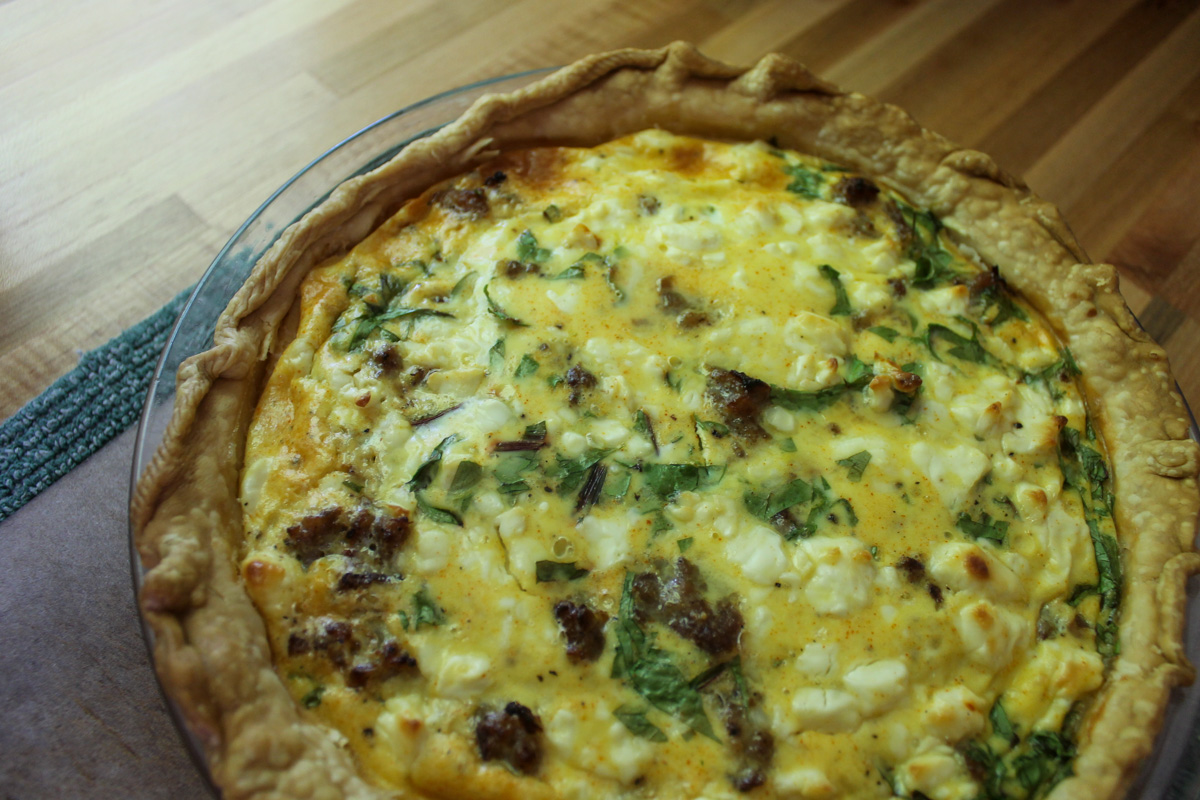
x=1172, y=773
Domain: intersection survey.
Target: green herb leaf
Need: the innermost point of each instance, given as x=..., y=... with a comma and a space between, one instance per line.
x=528, y=249
x=641, y=424
x=573, y=272
x=984, y=528
x=527, y=367
x=609, y=266
x=1084, y=469
x=466, y=477
x=766, y=505
x=651, y=672
x=429, y=470
x=857, y=375
x=313, y=698
x=463, y=284
x=805, y=182
x=1108, y=564
x=856, y=464
x=552, y=213
x=1006, y=309
x=365, y=326
x=353, y=486
x=964, y=348
x=715, y=428
x=660, y=523
x=787, y=445
x=992, y=767
x=1060, y=371
x=1001, y=725
x=668, y=480
x=685, y=543
x=1047, y=762
x=425, y=610
x=441, y=515
x=512, y=467
x=920, y=230
x=638, y=725
x=841, y=306
x=1081, y=592
x=499, y=313
x=851, y=517
x=550, y=571
x=618, y=485
x=884, y=332
x=571, y=472
x=496, y=356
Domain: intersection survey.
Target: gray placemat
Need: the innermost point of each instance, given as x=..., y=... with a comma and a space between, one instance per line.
x=82, y=410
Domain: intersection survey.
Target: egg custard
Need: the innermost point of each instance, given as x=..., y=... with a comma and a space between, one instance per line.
x=680, y=468
x=677, y=466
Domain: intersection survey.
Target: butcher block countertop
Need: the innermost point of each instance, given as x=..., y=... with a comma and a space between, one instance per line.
x=137, y=135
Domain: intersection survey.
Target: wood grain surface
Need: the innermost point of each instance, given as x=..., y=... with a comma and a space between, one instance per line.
x=137, y=135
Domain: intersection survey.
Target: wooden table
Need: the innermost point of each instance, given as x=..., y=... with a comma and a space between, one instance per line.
x=135, y=136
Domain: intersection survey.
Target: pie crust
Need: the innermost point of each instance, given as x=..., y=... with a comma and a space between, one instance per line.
x=211, y=649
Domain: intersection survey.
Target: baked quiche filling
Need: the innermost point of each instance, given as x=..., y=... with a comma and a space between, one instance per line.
x=676, y=468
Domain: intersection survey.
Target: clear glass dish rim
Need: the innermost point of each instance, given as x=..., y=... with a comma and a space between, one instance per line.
x=1179, y=781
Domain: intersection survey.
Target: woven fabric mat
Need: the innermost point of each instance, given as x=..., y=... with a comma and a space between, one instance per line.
x=82, y=410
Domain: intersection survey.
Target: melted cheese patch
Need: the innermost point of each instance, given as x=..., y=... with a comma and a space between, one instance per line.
x=800, y=459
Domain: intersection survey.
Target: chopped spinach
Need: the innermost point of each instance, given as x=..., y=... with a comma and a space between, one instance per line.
x=365, y=326
x=313, y=698
x=499, y=313
x=996, y=295
x=425, y=611
x=608, y=264
x=983, y=528
x=841, y=306
x=715, y=428
x=884, y=332
x=573, y=272
x=572, y=472
x=641, y=424
x=856, y=464
x=668, y=480
x=920, y=230
x=466, y=477
x=528, y=249
x=766, y=505
x=443, y=515
x=527, y=367
x=551, y=571
x=652, y=673
x=962, y=347
x=1061, y=371
x=463, y=284
x=638, y=725
x=1084, y=469
x=496, y=356
x=805, y=182
x=618, y=485
x=429, y=470
x=1001, y=725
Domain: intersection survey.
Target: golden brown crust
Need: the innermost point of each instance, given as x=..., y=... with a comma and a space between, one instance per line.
x=211, y=650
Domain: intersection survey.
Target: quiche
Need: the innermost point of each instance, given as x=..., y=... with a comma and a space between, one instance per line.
x=668, y=429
